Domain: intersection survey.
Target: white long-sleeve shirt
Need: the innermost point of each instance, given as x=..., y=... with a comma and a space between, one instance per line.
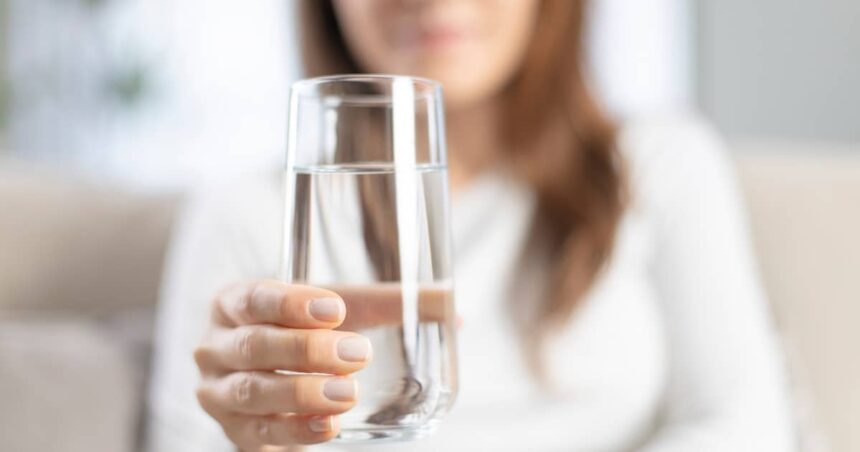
x=672, y=350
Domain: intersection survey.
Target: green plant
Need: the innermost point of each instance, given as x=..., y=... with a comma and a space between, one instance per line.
x=94, y=3
x=129, y=85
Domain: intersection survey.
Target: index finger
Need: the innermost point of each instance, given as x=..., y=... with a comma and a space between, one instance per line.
x=278, y=303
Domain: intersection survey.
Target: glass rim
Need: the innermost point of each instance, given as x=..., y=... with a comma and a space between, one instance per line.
x=301, y=87
x=365, y=167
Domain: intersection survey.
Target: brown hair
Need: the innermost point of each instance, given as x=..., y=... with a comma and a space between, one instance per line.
x=560, y=144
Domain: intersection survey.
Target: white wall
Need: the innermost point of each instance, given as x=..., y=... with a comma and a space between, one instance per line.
x=781, y=69
x=642, y=55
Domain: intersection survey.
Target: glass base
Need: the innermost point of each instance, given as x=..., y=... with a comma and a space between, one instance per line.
x=383, y=434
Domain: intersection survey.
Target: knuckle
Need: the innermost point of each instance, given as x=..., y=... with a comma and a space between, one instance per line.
x=220, y=303
x=217, y=301
x=286, y=306
x=314, y=350
x=247, y=345
x=271, y=300
x=246, y=390
x=300, y=350
x=243, y=306
x=262, y=428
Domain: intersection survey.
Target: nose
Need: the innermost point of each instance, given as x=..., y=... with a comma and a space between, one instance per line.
x=419, y=4
x=415, y=2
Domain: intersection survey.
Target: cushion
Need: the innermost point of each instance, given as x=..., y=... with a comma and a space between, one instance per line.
x=804, y=205
x=65, y=386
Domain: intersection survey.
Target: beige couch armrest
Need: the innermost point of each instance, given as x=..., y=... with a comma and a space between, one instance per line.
x=65, y=386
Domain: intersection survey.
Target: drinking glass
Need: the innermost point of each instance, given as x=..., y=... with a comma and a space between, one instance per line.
x=366, y=215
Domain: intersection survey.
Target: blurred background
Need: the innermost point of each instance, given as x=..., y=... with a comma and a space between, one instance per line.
x=111, y=110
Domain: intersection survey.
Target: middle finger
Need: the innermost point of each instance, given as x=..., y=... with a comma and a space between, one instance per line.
x=263, y=347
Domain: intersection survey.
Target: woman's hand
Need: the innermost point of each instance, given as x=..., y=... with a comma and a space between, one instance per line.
x=262, y=327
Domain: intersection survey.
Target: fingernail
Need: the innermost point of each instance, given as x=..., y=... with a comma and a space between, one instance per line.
x=326, y=309
x=340, y=389
x=320, y=424
x=353, y=349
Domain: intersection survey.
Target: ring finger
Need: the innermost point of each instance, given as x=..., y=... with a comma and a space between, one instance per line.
x=263, y=393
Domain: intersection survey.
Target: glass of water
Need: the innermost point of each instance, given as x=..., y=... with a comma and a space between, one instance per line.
x=366, y=215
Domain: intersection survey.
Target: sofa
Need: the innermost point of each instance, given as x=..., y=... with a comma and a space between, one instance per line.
x=80, y=264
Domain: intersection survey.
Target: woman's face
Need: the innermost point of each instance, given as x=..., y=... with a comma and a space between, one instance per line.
x=472, y=46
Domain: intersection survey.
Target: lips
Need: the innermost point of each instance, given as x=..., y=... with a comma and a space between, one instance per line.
x=437, y=37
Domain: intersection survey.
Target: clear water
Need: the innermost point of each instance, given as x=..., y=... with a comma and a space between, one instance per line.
x=381, y=240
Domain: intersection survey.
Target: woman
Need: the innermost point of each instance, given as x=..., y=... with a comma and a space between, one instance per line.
x=604, y=275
